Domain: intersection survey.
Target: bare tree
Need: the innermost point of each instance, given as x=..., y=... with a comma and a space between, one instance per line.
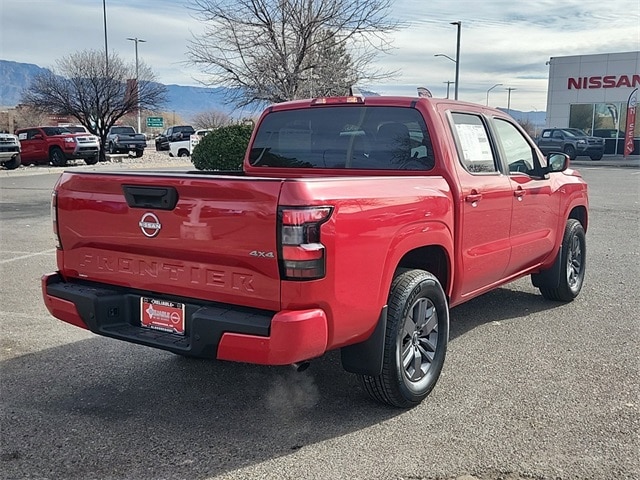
x=277, y=50
x=25, y=116
x=210, y=119
x=98, y=95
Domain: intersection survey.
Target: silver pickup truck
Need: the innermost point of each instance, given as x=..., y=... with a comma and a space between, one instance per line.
x=9, y=151
x=124, y=139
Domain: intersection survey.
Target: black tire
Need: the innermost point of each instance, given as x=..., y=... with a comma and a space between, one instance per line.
x=13, y=163
x=139, y=153
x=596, y=157
x=573, y=264
x=183, y=153
x=57, y=158
x=571, y=151
x=91, y=160
x=415, y=341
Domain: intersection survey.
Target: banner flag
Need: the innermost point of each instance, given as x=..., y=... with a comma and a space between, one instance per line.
x=632, y=103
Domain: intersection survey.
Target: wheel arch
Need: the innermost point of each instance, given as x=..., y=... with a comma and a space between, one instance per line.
x=365, y=357
x=579, y=213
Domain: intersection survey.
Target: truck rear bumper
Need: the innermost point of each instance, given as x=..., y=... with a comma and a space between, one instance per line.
x=224, y=332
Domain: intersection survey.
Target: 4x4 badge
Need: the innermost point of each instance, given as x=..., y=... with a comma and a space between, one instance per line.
x=150, y=225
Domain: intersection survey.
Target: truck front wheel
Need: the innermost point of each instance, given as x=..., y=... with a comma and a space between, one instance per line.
x=57, y=158
x=139, y=153
x=571, y=151
x=415, y=342
x=13, y=163
x=572, y=264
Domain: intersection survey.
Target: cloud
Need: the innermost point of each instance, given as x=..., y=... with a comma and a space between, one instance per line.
x=502, y=41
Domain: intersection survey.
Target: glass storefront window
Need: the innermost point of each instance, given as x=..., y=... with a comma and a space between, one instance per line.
x=581, y=116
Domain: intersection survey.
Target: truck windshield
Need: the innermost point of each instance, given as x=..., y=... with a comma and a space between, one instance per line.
x=355, y=137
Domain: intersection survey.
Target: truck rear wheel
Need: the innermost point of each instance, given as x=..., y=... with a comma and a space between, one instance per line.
x=572, y=262
x=139, y=153
x=57, y=158
x=415, y=342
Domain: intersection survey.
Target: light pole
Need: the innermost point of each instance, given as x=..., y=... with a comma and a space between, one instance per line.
x=459, y=25
x=496, y=85
x=137, y=40
x=106, y=49
x=509, y=99
x=456, y=60
x=449, y=58
x=448, y=82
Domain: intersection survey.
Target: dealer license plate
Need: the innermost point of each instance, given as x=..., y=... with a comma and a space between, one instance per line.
x=162, y=315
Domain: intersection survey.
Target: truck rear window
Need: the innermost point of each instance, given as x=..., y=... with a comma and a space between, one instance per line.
x=352, y=137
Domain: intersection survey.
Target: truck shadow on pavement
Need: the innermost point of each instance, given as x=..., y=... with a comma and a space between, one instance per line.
x=99, y=408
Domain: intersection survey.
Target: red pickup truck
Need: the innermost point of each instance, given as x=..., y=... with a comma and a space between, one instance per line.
x=355, y=225
x=57, y=145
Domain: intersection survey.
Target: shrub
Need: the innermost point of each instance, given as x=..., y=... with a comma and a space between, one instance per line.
x=222, y=149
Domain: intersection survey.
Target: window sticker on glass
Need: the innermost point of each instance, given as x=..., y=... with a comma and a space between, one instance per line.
x=474, y=143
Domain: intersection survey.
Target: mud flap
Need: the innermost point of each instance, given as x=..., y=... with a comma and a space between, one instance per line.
x=549, y=278
x=365, y=358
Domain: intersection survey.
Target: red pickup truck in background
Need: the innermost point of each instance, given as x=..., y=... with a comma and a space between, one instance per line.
x=57, y=145
x=355, y=225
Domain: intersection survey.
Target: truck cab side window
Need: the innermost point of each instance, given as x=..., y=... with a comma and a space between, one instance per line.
x=474, y=148
x=519, y=154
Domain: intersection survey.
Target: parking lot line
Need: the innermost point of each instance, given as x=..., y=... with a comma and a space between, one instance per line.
x=22, y=257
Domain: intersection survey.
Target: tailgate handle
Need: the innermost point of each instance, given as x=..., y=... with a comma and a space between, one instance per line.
x=160, y=198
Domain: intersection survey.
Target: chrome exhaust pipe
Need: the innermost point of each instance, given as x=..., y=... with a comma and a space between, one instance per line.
x=300, y=366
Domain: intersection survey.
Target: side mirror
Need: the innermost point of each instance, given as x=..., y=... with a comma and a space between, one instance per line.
x=557, y=162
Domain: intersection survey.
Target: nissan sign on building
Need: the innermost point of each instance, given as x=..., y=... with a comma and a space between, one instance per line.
x=592, y=93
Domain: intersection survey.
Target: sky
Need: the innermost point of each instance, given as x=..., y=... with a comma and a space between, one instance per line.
x=504, y=42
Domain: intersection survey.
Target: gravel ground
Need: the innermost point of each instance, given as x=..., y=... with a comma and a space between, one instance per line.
x=150, y=159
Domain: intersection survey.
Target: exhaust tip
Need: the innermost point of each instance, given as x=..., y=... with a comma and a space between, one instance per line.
x=300, y=366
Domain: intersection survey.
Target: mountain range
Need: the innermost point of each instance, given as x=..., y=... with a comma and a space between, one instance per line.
x=184, y=101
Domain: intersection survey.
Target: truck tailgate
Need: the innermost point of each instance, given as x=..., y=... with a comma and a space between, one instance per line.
x=205, y=237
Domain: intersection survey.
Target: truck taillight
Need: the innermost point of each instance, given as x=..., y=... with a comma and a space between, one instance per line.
x=54, y=218
x=302, y=254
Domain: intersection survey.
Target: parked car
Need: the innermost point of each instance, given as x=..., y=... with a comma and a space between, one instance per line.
x=9, y=151
x=571, y=141
x=184, y=148
x=173, y=134
x=124, y=139
x=608, y=133
x=57, y=145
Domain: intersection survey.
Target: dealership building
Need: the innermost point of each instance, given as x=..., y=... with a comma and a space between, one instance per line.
x=590, y=92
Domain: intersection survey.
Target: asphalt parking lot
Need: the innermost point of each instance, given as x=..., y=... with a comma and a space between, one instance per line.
x=531, y=389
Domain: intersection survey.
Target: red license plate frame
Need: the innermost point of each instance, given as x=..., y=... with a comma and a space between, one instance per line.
x=162, y=315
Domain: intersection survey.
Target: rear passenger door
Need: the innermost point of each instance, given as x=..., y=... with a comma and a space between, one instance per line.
x=32, y=149
x=485, y=204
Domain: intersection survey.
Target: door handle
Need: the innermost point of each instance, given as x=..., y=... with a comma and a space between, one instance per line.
x=473, y=197
x=519, y=193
